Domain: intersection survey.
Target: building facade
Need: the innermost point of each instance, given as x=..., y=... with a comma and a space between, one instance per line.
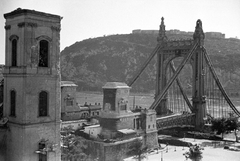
x=32, y=86
x=71, y=110
x=118, y=121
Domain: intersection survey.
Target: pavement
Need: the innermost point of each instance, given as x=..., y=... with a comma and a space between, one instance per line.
x=213, y=151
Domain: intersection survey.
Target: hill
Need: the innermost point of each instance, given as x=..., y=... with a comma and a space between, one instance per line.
x=91, y=63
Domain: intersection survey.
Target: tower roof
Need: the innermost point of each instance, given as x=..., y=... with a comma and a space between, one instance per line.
x=115, y=85
x=20, y=11
x=68, y=84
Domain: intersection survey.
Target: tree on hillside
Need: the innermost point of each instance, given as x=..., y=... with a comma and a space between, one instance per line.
x=137, y=150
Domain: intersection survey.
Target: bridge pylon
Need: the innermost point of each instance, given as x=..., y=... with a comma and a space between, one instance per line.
x=198, y=95
x=161, y=76
x=192, y=52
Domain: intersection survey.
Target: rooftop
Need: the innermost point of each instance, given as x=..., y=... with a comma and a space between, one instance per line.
x=68, y=84
x=115, y=85
x=20, y=11
x=127, y=131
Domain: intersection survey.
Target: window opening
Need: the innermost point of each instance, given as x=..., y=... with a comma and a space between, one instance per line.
x=14, y=52
x=138, y=123
x=69, y=102
x=43, y=54
x=13, y=103
x=43, y=103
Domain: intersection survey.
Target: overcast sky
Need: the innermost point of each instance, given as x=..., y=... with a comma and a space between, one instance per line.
x=83, y=19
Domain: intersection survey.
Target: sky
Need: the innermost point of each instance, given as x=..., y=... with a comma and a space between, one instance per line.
x=83, y=19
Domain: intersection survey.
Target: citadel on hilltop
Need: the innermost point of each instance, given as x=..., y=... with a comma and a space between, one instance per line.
x=178, y=32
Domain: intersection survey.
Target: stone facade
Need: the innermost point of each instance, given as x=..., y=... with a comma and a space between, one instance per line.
x=149, y=128
x=68, y=96
x=109, y=151
x=70, y=109
x=115, y=120
x=32, y=86
x=3, y=143
x=116, y=114
x=1, y=98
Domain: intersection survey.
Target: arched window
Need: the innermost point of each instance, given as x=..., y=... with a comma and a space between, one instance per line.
x=43, y=53
x=12, y=103
x=43, y=103
x=14, y=52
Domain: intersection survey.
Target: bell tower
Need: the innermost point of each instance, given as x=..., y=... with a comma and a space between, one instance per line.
x=32, y=85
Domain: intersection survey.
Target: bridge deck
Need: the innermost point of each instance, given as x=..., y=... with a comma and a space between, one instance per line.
x=168, y=116
x=175, y=120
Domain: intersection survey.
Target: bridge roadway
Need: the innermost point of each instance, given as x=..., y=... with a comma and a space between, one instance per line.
x=175, y=120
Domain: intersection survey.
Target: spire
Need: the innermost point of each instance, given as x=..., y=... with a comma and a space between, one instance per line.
x=199, y=34
x=162, y=26
x=162, y=32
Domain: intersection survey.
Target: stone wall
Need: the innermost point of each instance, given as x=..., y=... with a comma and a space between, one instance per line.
x=3, y=144
x=76, y=115
x=151, y=139
x=109, y=151
x=68, y=93
x=126, y=123
x=23, y=144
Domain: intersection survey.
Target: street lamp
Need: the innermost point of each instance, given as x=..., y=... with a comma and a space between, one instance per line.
x=162, y=155
x=167, y=148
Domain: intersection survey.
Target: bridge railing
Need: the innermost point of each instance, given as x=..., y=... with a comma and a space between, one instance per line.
x=177, y=120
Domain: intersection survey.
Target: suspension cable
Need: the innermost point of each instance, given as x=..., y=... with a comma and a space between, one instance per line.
x=219, y=84
x=181, y=88
x=139, y=72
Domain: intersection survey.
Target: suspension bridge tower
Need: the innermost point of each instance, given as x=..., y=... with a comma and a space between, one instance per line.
x=198, y=98
x=200, y=94
x=161, y=79
x=168, y=51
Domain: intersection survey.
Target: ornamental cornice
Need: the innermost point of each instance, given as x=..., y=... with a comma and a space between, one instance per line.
x=7, y=27
x=56, y=28
x=184, y=42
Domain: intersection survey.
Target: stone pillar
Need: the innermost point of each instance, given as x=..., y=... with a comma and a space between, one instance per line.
x=161, y=76
x=150, y=136
x=199, y=102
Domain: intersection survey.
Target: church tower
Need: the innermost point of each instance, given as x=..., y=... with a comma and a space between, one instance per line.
x=32, y=86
